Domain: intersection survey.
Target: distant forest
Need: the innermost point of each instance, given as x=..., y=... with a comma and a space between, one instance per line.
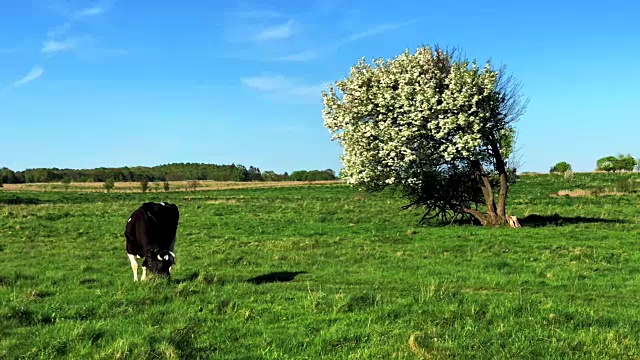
x=168, y=172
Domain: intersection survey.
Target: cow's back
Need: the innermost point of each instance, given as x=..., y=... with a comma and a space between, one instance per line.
x=152, y=226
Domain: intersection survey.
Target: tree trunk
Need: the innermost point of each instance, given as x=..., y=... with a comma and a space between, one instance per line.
x=482, y=217
x=504, y=179
x=493, y=216
x=496, y=215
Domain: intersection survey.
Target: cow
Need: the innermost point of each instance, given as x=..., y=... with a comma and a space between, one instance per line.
x=150, y=234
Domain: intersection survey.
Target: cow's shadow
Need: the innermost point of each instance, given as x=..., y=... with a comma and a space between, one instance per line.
x=279, y=276
x=535, y=220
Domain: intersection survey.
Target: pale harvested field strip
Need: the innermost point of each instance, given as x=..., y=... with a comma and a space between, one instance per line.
x=173, y=186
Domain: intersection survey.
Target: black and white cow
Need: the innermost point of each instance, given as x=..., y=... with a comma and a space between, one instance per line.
x=150, y=233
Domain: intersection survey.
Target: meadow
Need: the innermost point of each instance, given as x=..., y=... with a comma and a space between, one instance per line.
x=324, y=271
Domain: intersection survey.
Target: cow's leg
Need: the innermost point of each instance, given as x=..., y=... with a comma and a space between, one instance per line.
x=144, y=273
x=134, y=266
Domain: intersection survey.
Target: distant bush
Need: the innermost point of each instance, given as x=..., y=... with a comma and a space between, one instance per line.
x=144, y=185
x=625, y=185
x=625, y=162
x=108, y=185
x=620, y=163
x=598, y=190
x=193, y=185
x=66, y=182
x=561, y=167
x=165, y=186
x=568, y=175
x=312, y=175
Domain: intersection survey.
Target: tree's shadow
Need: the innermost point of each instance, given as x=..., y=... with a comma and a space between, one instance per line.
x=535, y=220
x=280, y=276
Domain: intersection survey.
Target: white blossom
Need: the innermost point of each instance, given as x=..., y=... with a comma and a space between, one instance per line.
x=384, y=112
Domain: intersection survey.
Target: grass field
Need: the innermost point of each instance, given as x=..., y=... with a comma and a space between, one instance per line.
x=359, y=279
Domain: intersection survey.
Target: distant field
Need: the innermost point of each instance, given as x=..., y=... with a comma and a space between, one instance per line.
x=360, y=278
x=157, y=186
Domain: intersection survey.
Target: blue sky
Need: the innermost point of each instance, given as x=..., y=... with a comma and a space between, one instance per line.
x=125, y=83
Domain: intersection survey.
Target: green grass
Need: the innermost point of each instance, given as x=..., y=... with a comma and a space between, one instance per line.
x=374, y=278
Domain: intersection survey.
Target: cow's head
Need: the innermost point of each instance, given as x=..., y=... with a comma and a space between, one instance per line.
x=160, y=262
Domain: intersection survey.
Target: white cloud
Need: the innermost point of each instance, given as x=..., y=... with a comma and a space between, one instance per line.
x=277, y=32
x=257, y=14
x=58, y=38
x=285, y=88
x=33, y=74
x=314, y=53
x=376, y=30
x=59, y=30
x=91, y=11
x=301, y=56
x=54, y=46
x=267, y=83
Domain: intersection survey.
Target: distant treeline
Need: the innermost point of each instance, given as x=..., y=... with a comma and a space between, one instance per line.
x=168, y=172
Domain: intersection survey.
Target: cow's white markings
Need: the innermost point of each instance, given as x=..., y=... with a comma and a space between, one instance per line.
x=134, y=267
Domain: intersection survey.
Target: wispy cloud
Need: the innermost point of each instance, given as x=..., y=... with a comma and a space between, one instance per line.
x=60, y=38
x=90, y=11
x=33, y=74
x=376, y=30
x=314, y=53
x=60, y=30
x=285, y=88
x=257, y=14
x=54, y=46
x=302, y=56
x=76, y=16
x=266, y=83
x=277, y=32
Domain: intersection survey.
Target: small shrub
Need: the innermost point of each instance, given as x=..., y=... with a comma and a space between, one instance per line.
x=598, y=190
x=568, y=175
x=625, y=185
x=144, y=185
x=66, y=182
x=165, y=186
x=108, y=185
x=193, y=185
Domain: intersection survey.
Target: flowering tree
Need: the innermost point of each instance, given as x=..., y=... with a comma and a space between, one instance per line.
x=437, y=126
